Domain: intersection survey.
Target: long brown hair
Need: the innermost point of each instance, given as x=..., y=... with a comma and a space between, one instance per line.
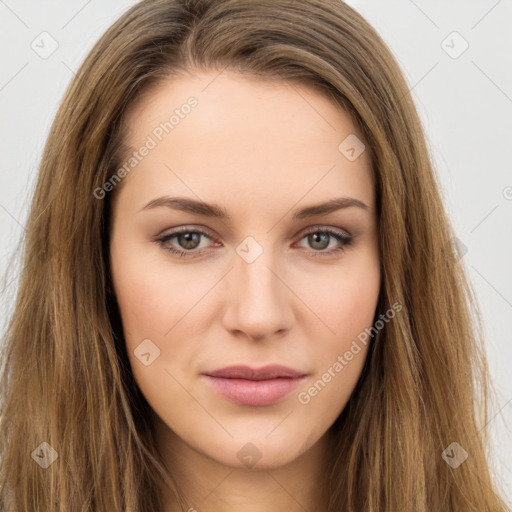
x=66, y=379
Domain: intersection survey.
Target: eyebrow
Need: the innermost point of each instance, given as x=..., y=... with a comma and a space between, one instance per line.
x=212, y=210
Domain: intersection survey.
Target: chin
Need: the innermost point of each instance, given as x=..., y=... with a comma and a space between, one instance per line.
x=258, y=452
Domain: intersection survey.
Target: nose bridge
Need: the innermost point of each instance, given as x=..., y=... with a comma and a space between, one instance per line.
x=259, y=303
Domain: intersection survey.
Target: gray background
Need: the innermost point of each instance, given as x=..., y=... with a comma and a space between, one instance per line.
x=464, y=99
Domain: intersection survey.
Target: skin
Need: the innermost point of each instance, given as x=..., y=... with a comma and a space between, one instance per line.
x=260, y=151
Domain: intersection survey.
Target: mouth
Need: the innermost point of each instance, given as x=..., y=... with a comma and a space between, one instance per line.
x=244, y=385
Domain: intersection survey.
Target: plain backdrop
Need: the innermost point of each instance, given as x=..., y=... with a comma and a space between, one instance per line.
x=457, y=58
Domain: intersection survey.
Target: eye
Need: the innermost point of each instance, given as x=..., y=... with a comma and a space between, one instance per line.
x=189, y=240
x=319, y=239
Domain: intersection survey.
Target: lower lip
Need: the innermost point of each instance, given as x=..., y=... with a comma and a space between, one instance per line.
x=254, y=392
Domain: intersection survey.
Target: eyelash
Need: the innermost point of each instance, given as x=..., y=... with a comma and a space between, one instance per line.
x=343, y=239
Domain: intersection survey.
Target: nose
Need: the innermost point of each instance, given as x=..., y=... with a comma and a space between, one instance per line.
x=259, y=305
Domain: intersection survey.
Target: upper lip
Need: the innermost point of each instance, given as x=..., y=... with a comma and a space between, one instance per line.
x=273, y=371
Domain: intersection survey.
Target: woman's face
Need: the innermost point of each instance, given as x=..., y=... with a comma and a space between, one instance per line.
x=259, y=283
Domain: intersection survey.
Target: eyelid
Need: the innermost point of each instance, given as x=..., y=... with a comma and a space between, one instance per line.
x=185, y=228
x=324, y=227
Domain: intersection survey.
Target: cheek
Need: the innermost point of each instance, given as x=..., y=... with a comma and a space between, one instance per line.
x=356, y=304
x=348, y=301
x=150, y=306
x=152, y=295
x=142, y=300
x=347, y=306
x=155, y=302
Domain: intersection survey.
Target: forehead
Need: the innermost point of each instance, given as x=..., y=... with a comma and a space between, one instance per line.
x=244, y=138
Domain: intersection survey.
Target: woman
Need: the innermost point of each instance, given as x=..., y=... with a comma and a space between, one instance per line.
x=239, y=289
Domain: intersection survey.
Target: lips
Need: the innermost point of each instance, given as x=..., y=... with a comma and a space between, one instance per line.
x=273, y=371
x=244, y=385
